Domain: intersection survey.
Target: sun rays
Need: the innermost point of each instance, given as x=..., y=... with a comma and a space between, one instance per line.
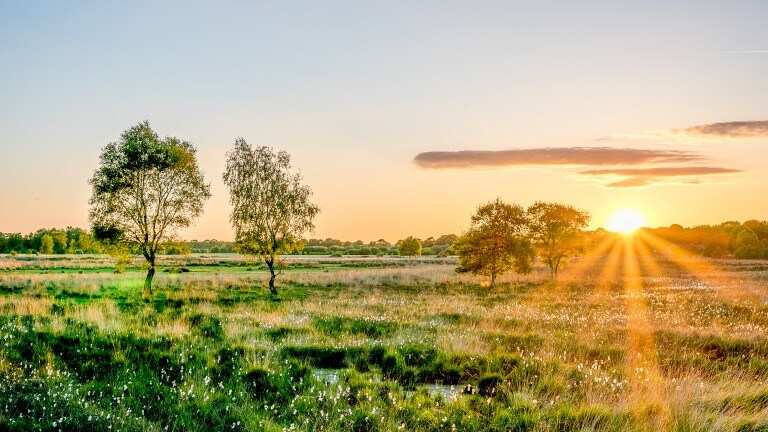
x=642, y=363
x=629, y=265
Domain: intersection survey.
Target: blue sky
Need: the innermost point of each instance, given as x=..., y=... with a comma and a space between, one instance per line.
x=355, y=90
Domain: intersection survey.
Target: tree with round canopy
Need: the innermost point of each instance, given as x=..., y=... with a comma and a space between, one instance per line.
x=144, y=189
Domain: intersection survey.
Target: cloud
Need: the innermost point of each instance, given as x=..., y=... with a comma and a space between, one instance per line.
x=697, y=134
x=734, y=129
x=634, y=177
x=551, y=156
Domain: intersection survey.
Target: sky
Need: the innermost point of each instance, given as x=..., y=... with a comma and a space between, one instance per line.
x=403, y=117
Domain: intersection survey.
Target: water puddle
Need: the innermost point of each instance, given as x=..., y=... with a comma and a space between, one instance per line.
x=328, y=376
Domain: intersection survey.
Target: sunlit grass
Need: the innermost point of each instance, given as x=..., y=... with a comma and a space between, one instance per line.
x=629, y=339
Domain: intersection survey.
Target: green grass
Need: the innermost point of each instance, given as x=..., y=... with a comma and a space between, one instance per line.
x=378, y=349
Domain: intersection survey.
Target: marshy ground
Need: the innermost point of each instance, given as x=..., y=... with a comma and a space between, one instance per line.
x=626, y=340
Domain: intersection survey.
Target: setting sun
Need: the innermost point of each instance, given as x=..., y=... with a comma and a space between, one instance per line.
x=626, y=221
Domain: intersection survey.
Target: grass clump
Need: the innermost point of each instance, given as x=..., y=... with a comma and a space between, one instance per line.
x=317, y=356
x=336, y=326
x=207, y=326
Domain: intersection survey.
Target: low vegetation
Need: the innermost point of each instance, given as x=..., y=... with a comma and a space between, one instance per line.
x=383, y=348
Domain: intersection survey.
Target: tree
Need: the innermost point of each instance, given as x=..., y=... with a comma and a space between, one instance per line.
x=555, y=231
x=271, y=208
x=59, y=241
x=747, y=245
x=80, y=241
x=46, y=244
x=496, y=241
x=409, y=246
x=144, y=189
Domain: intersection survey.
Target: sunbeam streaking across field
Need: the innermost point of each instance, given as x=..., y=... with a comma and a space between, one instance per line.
x=649, y=264
x=593, y=255
x=646, y=380
x=719, y=281
x=612, y=268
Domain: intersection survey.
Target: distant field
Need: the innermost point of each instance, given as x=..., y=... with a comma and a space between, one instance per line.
x=202, y=262
x=622, y=342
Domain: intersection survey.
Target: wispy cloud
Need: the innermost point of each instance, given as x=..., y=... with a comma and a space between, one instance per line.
x=633, y=177
x=708, y=132
x=732, y=129
x=551, y=156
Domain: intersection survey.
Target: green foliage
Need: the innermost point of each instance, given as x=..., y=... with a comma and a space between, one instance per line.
x=496, y=241
x=175, y=248
x=271, y=208
x=747, y=245
x=51, y=241
x=46, y=244
x=144, y=188
x=317, y=356
x=335, y=326
x=590, y=418
x=84, y=355
x=747, y=240
x=556, y=232
x=207, y=325
x=712, y=354
x=409, y=246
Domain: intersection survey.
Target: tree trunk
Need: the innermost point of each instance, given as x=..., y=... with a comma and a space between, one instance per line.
x=555, y=269
x=271, y=266
x=552, y=269
x=148, y=282
x=493, y=280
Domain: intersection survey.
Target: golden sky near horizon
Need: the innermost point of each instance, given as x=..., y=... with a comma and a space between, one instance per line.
x=402, y=119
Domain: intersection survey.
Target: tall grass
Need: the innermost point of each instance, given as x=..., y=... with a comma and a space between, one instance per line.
x=405, y=347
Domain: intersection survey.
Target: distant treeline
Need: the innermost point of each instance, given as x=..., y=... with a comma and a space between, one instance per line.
x=409, y=246
x=69, y=240
x=748, y=240
x=78, y=241
x=50, y=241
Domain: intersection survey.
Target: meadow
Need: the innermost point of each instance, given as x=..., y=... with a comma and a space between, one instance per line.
x=626, y=340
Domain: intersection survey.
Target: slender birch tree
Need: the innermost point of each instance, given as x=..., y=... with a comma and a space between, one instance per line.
x=271, y=208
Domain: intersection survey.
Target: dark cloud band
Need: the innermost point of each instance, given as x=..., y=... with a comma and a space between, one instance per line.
x=551, y=156
x=735, y=129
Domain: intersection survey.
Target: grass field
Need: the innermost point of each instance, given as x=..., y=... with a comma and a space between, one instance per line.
x=624, y=341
